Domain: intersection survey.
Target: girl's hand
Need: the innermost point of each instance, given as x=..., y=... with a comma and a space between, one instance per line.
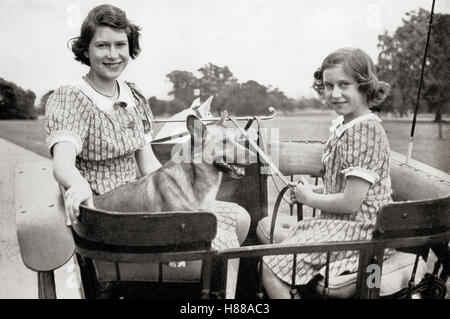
x=79, y=193
x=302, y=191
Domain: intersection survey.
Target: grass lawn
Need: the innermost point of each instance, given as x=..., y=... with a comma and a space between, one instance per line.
x=428, y=147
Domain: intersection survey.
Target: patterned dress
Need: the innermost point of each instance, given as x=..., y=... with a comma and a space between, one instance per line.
x=359, y=148
x=106, y=137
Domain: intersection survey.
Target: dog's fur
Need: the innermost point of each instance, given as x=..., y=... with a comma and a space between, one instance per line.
x=182, y=185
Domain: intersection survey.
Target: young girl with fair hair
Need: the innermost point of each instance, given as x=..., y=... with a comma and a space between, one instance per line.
x=356, y=180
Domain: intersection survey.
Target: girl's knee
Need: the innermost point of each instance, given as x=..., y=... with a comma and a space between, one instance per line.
x=243, y=218
x=240, y=215
x=243, y=224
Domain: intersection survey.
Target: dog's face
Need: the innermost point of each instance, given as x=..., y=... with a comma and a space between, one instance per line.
x=219, y=146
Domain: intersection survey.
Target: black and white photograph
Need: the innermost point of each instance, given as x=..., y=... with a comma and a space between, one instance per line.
x=241, y=150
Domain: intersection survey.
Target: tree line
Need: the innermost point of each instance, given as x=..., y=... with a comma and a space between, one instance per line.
x=15, y=102
x=399, y=63
x=248, y=98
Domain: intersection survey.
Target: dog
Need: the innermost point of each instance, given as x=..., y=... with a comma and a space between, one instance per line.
x=191, y=179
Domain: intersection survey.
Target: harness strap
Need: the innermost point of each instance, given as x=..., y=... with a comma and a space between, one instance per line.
x=276, y=209
x=175, y=136
x=261, y=142
x=293, y=290
x=250, y=122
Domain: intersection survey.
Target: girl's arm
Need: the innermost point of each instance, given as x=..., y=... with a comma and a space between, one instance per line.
x=317, y=188
x=146, y=160
x=78, y=190
x=347, y=202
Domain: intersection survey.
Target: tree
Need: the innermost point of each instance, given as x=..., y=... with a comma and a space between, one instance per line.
x=218, y=82
x=15, y=102
x=278, y=99
x=255, y=98
x=311, y=103
x=437, y=92
x=213, y=79
x=400, y=62
x=184, y=84
x=249, y=98
x=176, y=105
x=158, y=107
x=41, y=107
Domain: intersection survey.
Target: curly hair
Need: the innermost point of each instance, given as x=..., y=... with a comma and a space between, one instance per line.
x=105, y=16
x=360, y=66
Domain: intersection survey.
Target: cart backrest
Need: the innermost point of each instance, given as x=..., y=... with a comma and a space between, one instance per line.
x=140, y=230
x=414, y=218
x=417, y=181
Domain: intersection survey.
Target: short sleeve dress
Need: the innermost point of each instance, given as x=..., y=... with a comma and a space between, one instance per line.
x=106, y=138
x=359, y=148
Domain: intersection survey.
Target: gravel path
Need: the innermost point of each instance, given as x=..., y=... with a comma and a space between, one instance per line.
x=17, y=281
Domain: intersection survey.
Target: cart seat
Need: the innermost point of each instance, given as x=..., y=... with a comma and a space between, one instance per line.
x=281, y=231
x=123, y=247
x=396, y=269
x=107, y=272
x=150, y=272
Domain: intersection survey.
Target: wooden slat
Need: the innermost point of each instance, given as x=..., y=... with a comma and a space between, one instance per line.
x=219, y=280
x=419, y=166
x=377, y=259
x=418, y=240
x=143, y=257
x=279, y=249
x=206, y=278
x=46, y=285
x=417, y=181
x=45, y=242
x=145, y=229
x=365, y=256
x=297, y=158
x=425, y=216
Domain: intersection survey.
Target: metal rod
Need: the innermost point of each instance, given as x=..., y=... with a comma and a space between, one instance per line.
x=326, y=289
x=412, y=280
x=293, y=290
x=424, y=59
x=314, y=209
x=261, y=153
x=212, y=119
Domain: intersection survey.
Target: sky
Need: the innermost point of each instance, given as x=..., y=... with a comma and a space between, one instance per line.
x=274, y=42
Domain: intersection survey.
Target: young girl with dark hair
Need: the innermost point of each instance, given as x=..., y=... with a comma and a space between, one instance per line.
x=98, y=129
x=356, y=180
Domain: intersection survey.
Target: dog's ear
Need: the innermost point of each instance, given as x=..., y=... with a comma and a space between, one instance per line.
x=222, y=118
x=195, y=126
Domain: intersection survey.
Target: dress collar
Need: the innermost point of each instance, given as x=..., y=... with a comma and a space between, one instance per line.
x=339, y=127
x=125, y=98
